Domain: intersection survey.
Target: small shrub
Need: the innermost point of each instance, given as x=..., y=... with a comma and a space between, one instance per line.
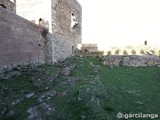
x=109, y=52
x=133, y=52
x=142, y=51
x=117, y=52
x=125, y=52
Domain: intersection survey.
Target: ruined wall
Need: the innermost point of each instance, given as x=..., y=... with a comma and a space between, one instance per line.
x=33, y=10
x=10, y=5
x=131, y=60
x=62, y=19
x=90, y=47
x=67, y=37
x=21, y=41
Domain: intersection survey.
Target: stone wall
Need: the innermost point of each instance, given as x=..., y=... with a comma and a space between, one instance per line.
x=65, y=38
x=62, y=20
x=9, y=5
x=21, y=41
x=131, y=60
x=56, y=49
x=89, y=47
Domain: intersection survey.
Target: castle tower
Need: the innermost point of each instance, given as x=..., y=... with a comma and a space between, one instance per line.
x=9, y=5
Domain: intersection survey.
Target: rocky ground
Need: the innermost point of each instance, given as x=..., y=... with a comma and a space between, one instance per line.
x=80, y=88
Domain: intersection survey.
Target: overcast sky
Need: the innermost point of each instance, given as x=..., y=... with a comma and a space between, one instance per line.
x=118, y=22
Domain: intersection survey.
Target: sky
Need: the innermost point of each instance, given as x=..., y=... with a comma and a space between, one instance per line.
x=120, y=22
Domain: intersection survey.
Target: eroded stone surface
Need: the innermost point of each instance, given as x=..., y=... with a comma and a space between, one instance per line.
x=131, y=60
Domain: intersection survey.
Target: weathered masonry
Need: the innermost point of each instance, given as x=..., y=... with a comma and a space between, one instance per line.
x=47, y=31
x=8, y=4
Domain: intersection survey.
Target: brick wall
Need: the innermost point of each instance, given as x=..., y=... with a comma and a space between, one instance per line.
x=20, y=40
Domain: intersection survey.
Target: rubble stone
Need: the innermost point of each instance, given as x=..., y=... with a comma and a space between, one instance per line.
x=131, y=60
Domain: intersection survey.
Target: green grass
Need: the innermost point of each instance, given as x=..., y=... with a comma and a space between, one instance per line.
x=98, y=94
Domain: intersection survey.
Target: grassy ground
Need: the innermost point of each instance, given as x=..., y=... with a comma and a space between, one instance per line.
x=91, y=91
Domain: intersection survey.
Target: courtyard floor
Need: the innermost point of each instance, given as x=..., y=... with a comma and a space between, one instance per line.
x=80, y=88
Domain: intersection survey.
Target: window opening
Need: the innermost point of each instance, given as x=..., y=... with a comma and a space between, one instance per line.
x=74, y=22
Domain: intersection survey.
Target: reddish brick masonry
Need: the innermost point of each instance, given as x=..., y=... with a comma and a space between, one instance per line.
x=18, y=39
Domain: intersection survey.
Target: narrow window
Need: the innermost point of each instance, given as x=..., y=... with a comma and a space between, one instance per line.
x=72, y=14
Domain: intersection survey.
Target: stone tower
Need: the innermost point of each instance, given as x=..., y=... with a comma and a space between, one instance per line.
x=8, y=4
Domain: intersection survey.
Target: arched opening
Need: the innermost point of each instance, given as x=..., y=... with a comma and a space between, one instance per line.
x=74, y=22
x=40, y=21
x=3, y=6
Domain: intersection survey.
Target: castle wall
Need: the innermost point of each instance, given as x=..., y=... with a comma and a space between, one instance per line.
x=62, y=19
x=10, y=5
x=59, y=15
x=20, y=41
x=23, y=42
x=33, y=10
